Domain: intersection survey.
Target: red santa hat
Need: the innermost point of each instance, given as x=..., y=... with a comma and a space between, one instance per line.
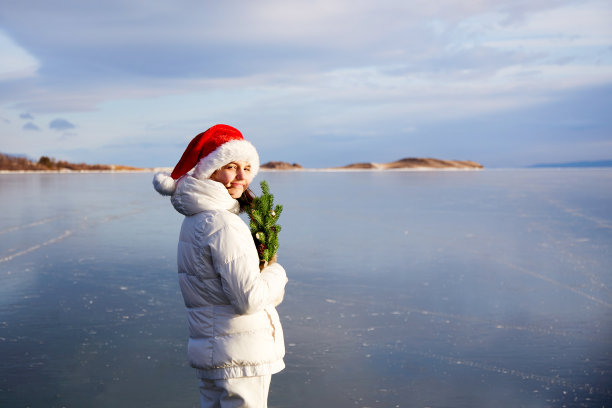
x=207, y=152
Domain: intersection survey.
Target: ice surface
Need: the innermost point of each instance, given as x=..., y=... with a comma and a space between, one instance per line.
x=463, y=289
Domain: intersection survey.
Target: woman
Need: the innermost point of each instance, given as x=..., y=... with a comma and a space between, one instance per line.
x=235, y=336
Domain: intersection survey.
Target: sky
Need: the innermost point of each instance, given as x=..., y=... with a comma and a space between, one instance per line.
x=506, y=83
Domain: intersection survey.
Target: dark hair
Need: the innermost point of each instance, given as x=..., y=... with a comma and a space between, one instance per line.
x=246, y=199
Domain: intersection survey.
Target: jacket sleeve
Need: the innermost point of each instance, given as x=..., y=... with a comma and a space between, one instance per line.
x=235, y=260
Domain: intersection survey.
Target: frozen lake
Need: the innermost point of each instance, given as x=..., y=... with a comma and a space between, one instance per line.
x=407, y=289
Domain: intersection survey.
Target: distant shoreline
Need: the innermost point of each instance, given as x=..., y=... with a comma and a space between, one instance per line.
x=22, y=164
x=64, y=171
x=13, y=163
x=354, y=170
x=406, y=164
x=315, y=170
x=262, y=170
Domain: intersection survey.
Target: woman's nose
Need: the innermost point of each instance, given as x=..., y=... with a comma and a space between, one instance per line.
x=240, y=174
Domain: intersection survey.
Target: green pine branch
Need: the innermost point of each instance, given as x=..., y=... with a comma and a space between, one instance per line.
x=264, y=227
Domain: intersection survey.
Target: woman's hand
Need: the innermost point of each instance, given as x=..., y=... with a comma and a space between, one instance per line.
x=263, y=264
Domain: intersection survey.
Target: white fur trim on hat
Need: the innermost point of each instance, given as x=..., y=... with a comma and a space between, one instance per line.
x=164, y=184
x=234, y=150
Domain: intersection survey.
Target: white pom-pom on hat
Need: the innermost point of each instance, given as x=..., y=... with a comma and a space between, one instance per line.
x=164, y=184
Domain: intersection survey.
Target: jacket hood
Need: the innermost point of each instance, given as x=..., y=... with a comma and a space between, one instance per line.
x=193, y=196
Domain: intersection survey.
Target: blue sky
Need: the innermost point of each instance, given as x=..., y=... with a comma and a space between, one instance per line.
x=507, y=83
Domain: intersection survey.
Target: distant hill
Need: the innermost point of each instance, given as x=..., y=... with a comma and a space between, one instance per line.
x=21, y=163
x=600, y=163
x=280, y=165
x=416, y=163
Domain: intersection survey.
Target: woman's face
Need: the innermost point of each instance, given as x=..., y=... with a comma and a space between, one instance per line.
x=235, y=176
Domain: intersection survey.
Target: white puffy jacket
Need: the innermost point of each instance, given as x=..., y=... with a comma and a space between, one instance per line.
x=234, y=329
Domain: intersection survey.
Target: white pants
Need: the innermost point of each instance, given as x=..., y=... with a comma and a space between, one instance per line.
x=244, y=392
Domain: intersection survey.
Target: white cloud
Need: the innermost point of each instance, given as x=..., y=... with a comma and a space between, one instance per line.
x=15, y=61
x=574, y=31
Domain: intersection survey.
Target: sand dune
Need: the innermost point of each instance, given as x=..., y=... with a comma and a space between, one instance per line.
x=417, y=163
